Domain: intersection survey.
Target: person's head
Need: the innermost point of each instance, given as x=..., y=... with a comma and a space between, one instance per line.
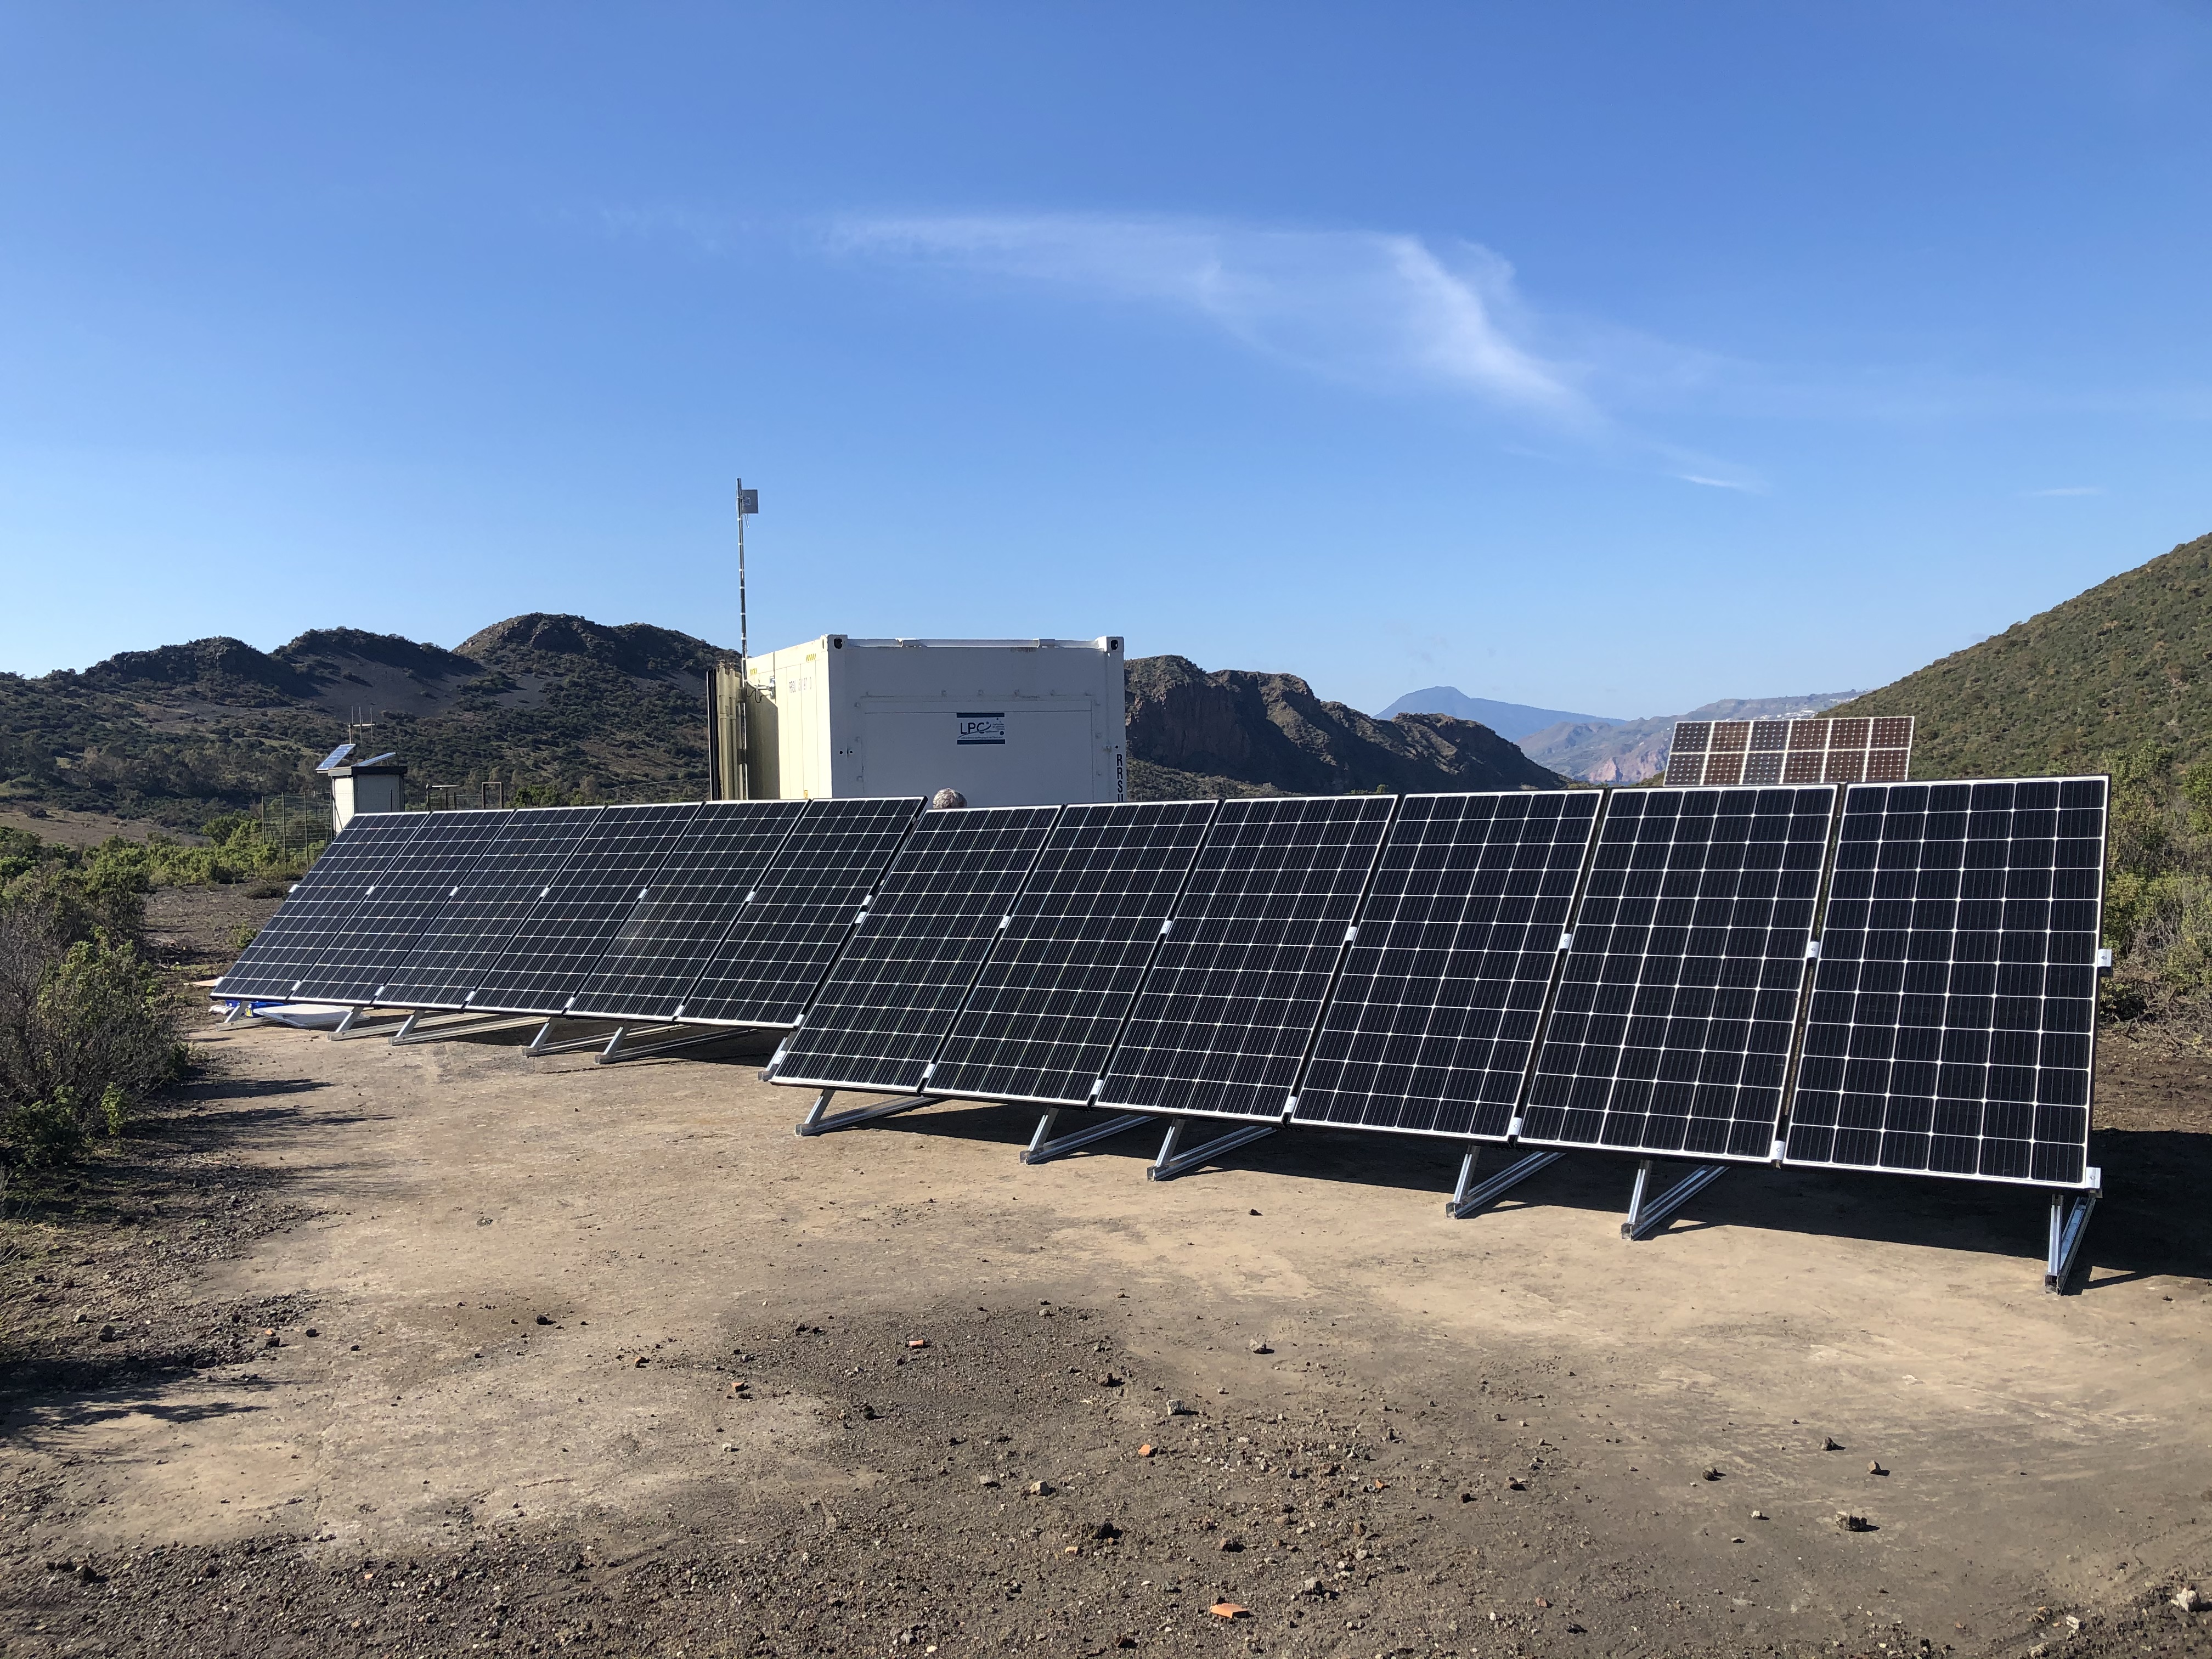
x=945, y=799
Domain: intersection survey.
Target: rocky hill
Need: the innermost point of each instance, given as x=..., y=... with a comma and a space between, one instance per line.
x=1189, y=728
x=2121, y=665
x=561, y=704
x=566, y=707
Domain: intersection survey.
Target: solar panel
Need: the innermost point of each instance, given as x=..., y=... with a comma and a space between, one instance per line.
x=1671, y=1029
x=697, y=892
x=460, y=944
x=1721, y=754
x=1042, y=1016
x=1955, y=1004
x=783, y=941
x=554, y=947
x=377, y=933
x=1228, y=1006
x=307, y=922
x=1437, y=1008
x=886, y=1004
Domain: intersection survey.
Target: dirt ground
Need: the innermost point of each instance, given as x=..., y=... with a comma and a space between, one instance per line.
x=76, y=828
x=365, y=1349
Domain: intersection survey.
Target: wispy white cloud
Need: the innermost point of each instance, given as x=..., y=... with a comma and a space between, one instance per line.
x=1369, y=308
x=1717, y=483
x=2070, y=489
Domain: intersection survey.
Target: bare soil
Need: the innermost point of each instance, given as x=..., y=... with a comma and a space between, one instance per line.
x=439, y=1349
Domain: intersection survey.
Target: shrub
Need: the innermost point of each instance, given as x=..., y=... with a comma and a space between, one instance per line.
x=2157, y=894
x=88, y=1028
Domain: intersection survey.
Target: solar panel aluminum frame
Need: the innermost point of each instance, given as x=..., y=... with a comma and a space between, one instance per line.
x=1408, y=934
x=619, y=828
x=415, y=884
x=1774, y=996
x=1189, y=920
x=785, y=1004
x=726, y=849
x=442, y=972
x=357, y=854
x=902, y=905
x=1072, y=823
x=1910, y=927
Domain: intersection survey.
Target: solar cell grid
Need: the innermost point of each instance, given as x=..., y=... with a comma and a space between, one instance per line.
x=1042, y=1016
x=770, y=962
x=1222, y=1023
x=307, y=922
x=699, y=890
x=1430, y=1030
x=1721, y=754
x=413, y=885
x=1672, y=1026
x=454, y=949
x=1953, y=1005
x=555, y=947
x=891, y=996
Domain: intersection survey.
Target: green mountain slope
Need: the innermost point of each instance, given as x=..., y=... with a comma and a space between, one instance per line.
x=2128, y=662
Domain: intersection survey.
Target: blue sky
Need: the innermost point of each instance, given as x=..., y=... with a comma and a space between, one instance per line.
x=1613, y=358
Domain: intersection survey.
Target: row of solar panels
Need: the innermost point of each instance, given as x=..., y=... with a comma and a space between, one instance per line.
x=1622, y=969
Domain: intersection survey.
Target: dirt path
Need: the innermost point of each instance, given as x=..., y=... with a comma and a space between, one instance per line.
x=607, y=1358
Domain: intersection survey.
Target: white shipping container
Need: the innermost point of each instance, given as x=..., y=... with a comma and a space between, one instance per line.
x=1006, y=722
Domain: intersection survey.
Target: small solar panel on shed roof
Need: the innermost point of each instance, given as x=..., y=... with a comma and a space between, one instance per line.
x=307, y=924
x=887, y=1004
x=1042, y=1016
x=1228, y=1006
x=415, y=884
x=457, y=946
x=1437, y=1008
x=1954, y=1003
x=1671, y=1029
x=548, y=956
x=783, y=941
x=657, y=954
x=1721, y=754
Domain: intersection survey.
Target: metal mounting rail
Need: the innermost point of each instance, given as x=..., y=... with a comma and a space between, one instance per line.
x=1649, y=1211
x=2070, y=1225
x=816, y=1123
x=1044, y=1145
x=1467, y=1201
x=1170, y=1163
x=346, y=1030
x=457, y=1025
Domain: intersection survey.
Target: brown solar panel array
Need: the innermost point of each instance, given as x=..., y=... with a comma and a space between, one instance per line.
x=1723, y=754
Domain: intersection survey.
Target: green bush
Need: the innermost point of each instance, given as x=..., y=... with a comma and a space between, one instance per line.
x=2158, y=893
x=88, y=1028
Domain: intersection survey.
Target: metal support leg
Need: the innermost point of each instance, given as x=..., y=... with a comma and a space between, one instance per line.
x=237, y=1011
x=538, y=1043
x=343, y=1028
x=616, y=1050
x=1171, y=1163
x=2070, y=1225
x=1044, y=1145
x=1648, y=1213
x=1467, y=1200
x=816, y=1124
x=407, y=1034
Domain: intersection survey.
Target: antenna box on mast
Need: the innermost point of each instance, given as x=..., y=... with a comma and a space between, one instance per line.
x=1006, y=722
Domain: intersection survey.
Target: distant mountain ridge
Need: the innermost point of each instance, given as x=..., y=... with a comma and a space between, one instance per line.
x=2122, y=664
x=1190, y=731
x=575, y=707
x=1510, y=720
